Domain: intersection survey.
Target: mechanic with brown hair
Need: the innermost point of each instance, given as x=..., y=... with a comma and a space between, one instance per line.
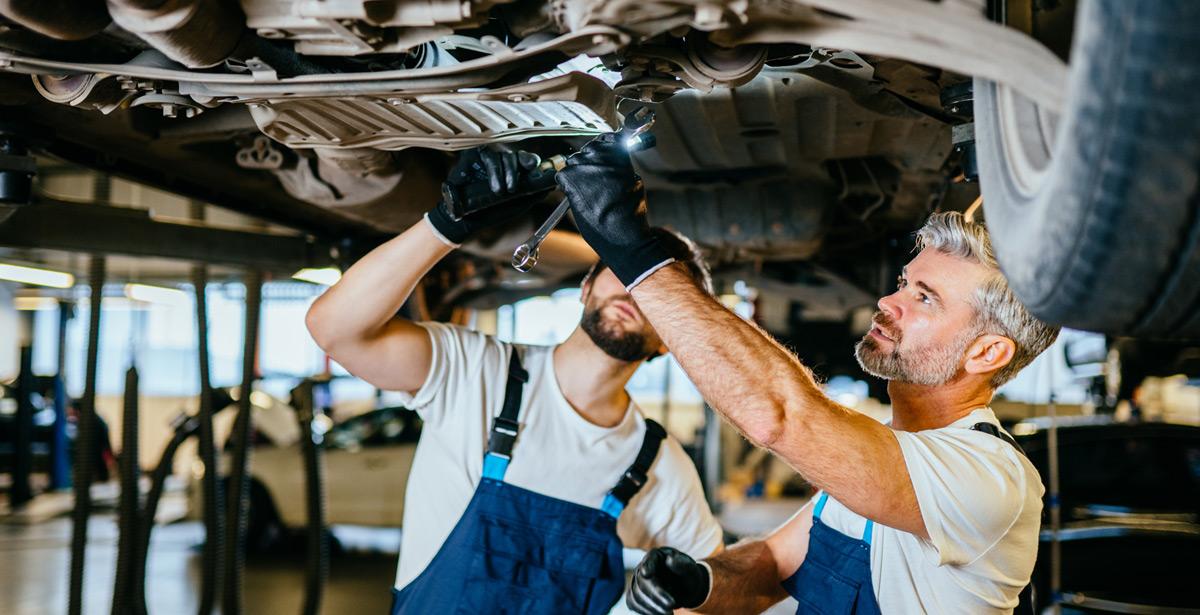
x=534, y=468
x=938, y=512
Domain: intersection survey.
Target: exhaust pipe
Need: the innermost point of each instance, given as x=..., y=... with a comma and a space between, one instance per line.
x=195, y=33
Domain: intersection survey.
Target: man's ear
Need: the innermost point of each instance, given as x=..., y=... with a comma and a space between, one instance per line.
x=585, y=289
x=989, y=354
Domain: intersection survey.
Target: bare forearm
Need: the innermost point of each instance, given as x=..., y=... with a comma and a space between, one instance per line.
x=370, y=293
x=744, y=374
x=745, y=579
x=766, y=393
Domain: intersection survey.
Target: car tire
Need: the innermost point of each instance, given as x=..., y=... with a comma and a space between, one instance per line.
x=1095, y=214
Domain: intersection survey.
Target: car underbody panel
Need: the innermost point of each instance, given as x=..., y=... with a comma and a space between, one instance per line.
x=773, y=138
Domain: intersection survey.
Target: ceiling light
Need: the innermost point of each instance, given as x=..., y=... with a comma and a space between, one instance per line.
x=327, y=275
x=31, y=304
x=155, y=294
x=35, y=276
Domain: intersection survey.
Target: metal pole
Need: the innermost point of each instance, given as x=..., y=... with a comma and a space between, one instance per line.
x=124, y=595
x=21, y=492
x=239, y=487
x=213, y=534
x=60, y=471
x=85, y=441
x=310, y=445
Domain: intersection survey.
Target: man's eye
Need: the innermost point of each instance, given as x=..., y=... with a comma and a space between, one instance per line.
x=925, y=299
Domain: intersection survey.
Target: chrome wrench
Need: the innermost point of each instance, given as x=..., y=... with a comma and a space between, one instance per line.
x=525, y=257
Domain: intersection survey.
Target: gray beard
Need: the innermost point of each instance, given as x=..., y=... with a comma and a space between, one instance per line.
x=927, y=366
x=622, y=346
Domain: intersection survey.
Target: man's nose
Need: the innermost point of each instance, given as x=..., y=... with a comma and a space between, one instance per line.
x=890, y=305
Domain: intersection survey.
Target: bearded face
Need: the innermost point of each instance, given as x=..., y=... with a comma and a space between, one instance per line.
x=883, y=353
x=613, y=322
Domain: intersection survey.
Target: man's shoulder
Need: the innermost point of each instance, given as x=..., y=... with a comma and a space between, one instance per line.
x=673, y=466
x=465, y=339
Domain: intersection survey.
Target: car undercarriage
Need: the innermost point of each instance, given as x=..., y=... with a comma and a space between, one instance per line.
x=818, y=132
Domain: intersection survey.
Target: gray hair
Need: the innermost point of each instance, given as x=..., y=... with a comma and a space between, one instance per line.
x=997, y=309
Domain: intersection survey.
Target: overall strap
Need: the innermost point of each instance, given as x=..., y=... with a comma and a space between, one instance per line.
x=868, y=529
x=820, y=505
x=633, y=479
x=505, y=426
x=990, y=428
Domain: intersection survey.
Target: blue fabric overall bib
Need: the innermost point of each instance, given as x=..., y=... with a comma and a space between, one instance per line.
x=515, y=551
x=835, y=578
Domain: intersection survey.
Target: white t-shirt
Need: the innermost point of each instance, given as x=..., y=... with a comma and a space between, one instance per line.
x=557, y=453
x=981, y=500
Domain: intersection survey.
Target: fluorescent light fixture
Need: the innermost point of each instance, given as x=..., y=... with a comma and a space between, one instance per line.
x=35, y=276
x=32, y=304
x=155, y=294
x=327, y=275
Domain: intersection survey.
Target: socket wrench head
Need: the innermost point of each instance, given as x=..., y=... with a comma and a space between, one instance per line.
x=524, y=258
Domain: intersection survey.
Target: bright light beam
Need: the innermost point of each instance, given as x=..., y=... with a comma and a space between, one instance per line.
x=35, y=276
x=155, y=294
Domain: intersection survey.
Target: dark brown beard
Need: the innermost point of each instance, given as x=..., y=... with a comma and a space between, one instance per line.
x=628, y=346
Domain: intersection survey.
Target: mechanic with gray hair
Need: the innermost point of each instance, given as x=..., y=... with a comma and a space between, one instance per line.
x=534, y=468
x=937, y=512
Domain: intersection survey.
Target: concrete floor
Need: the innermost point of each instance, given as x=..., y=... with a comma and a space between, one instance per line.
x=35, y=571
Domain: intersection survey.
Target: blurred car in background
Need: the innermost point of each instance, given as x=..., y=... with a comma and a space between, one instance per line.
x=366, y=461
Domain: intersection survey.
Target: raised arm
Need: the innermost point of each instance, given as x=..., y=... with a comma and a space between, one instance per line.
x=355, y=320
x=745, y=375
x=764, y=391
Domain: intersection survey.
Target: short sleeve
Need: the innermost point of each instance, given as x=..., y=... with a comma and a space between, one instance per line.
x=970, y=487
x=674, y=512
x=458, y=356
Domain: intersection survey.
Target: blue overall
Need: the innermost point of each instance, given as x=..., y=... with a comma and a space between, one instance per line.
x=835, y=577
x=515, y=551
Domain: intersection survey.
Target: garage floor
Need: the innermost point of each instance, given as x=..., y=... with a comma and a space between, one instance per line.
x=35, y=563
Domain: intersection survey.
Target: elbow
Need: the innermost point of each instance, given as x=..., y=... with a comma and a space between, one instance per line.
x=316, y=322
x=768, y=427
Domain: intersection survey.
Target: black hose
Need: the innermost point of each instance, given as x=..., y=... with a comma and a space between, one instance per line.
x=85, y=442
x=239, y=488
x=317, y=569
x=128, y=520
x=213, y=534
x=185, y=427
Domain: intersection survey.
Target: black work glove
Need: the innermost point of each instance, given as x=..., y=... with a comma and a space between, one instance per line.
x=667, y=579
x=502, y=169
x=606, y=197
